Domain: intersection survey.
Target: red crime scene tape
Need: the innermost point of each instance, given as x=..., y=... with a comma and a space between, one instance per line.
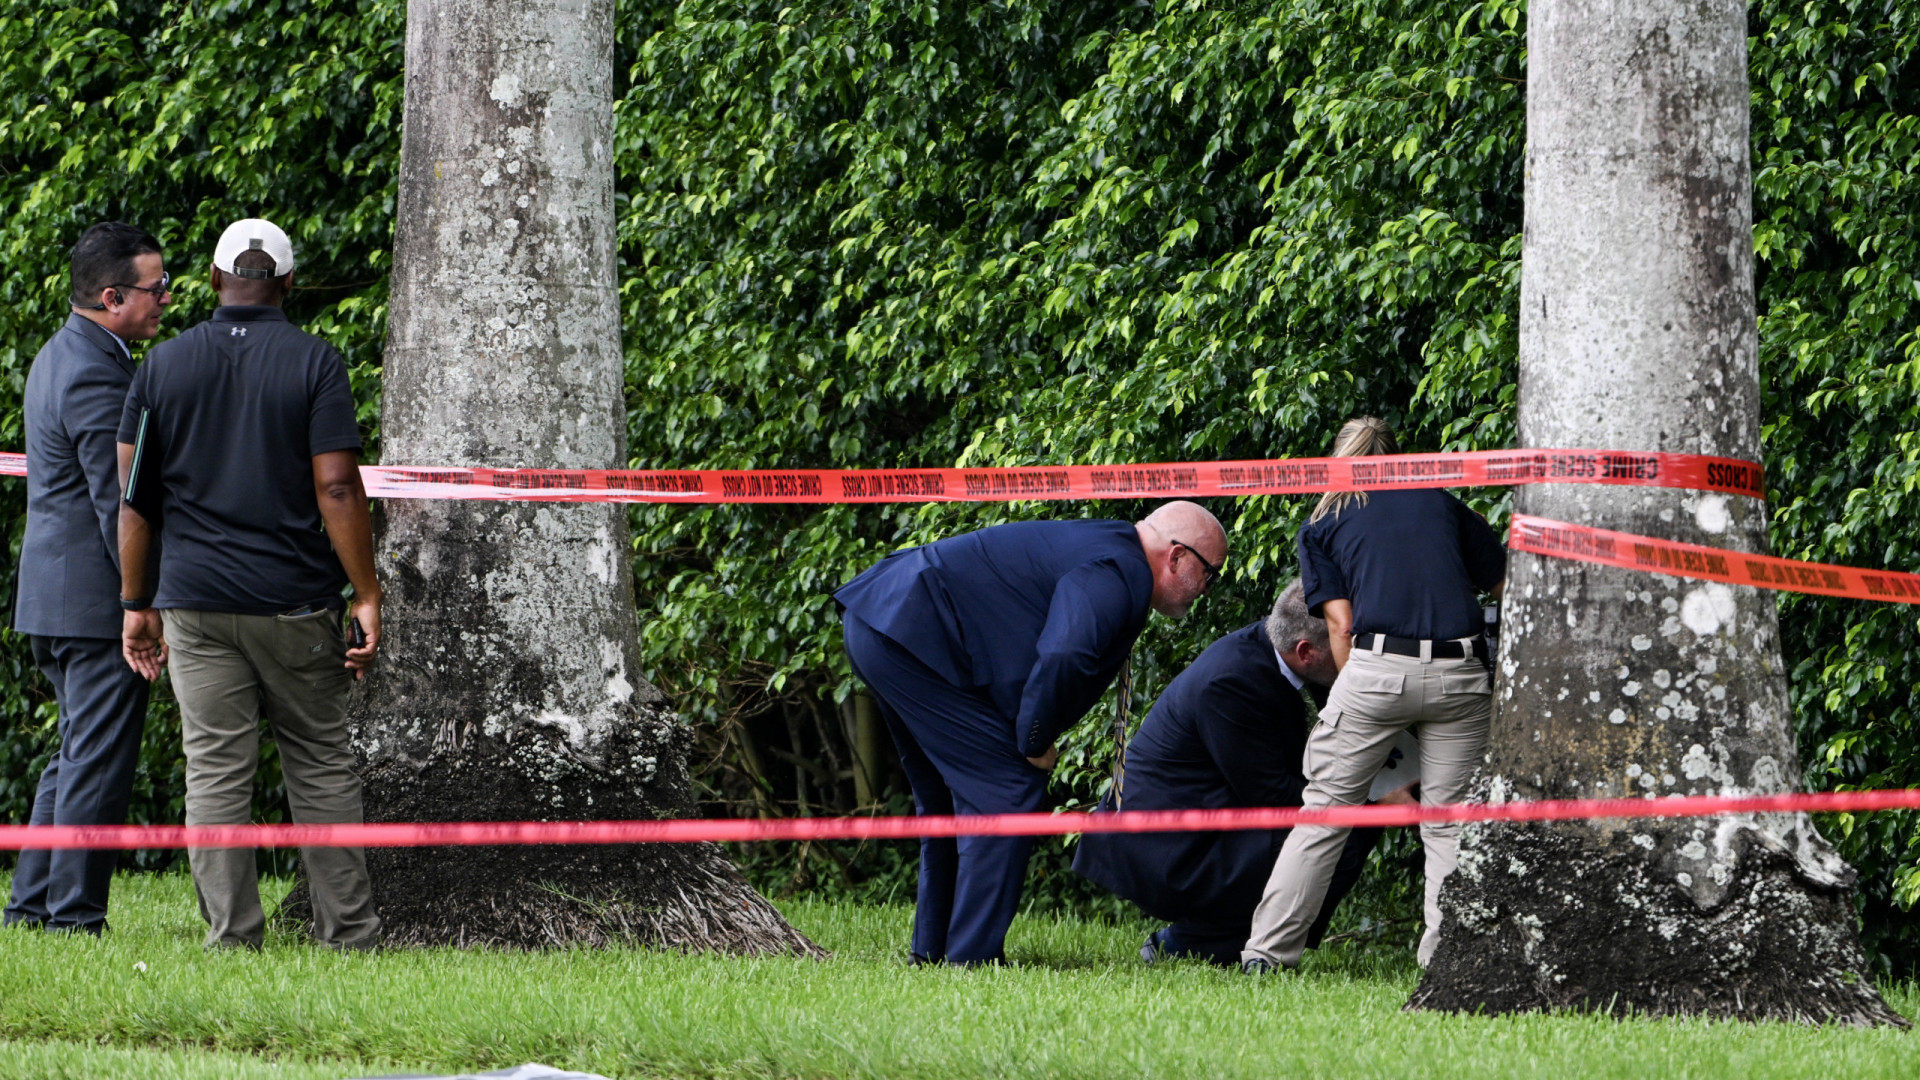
x=1297, y=476
x=1281, y=476
x=1633, y=552
x=1284, y=476
x=499, y=833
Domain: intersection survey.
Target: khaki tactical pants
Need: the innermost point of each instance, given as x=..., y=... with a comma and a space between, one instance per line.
x=1448, y=703
x=227, y=670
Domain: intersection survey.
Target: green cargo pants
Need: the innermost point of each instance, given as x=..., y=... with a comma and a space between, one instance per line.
x=227, y=670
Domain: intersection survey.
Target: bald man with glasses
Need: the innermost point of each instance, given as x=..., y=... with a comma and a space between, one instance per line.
x=981, y=650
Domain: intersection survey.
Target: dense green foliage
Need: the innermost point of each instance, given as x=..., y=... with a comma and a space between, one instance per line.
x=920, y=234
x=1836, y=124
x=917, y=235
x=1076, y=1003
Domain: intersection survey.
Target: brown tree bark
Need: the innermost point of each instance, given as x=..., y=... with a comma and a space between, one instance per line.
x=509, y=685
x=1637, y=332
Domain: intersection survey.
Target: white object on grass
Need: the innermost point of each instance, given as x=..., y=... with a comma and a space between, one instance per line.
x=1402, y=767
x=518, y=1072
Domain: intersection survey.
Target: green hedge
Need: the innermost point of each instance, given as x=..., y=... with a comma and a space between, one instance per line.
x=919, y=234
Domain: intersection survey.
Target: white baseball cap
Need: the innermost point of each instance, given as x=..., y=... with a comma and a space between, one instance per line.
x=254, y=234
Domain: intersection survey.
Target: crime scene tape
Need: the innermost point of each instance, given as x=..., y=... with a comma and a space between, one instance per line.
x=1285, y=476
x=1585, y=543
x=713, y=830
x=1280, y=476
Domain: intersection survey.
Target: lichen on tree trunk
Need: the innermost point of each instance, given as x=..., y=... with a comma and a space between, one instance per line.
x=509, y=685
x=1637, y=333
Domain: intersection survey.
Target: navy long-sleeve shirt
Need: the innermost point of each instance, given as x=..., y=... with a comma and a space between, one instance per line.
x=1038, y=614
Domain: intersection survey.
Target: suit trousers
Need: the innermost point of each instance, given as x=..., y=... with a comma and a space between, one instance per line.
x=1449, y=704
x=959, y=756
x=89, y=781
x=1218, y=931
x=227, y=671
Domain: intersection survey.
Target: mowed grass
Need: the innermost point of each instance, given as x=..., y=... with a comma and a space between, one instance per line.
x=1078, y=1004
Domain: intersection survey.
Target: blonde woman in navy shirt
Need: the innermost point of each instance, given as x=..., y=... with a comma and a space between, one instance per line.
x=1397, y=576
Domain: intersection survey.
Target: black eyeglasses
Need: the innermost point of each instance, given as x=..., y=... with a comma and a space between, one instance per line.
x=155, y=291
x=1213, y=572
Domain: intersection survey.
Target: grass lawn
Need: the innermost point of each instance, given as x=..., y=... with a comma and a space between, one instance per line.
x=1079, y=1004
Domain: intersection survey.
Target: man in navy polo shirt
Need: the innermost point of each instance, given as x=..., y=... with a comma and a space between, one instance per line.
x=246, y=425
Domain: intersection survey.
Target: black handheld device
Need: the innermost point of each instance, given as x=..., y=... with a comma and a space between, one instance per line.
x=1491, y=614
x=356, y=638
x=143, y=474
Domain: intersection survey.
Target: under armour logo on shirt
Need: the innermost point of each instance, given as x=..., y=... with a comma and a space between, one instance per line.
x=236, y=331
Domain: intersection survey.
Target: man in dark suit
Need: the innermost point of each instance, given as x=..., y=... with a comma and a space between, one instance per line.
x=981, y=650
x=1228, y=732
x=69, y=576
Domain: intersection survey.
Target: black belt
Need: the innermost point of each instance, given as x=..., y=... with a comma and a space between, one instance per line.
x=1401, y=646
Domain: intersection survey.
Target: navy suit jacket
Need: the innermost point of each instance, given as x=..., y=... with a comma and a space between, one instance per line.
x=1038, y=614
x=69, y=582
x=1230, y=731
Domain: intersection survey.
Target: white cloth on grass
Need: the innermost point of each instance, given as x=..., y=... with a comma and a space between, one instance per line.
x=520, y=1072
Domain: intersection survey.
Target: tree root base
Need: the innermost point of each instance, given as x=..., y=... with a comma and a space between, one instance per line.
x=681, y=897
x=1547, y=918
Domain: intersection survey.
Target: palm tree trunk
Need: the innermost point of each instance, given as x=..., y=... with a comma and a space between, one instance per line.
x=1637, y=332
x=510, y=685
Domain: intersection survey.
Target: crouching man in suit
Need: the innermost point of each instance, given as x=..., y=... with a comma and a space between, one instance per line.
x=1228, y=732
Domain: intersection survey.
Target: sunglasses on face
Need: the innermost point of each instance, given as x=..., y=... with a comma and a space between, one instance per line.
x=155, y=291
x=1213, y=572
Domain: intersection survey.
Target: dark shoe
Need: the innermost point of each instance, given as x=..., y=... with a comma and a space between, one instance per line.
x=76, y=929
x=1154, y=950
x=991, y=961
x=1257, y=966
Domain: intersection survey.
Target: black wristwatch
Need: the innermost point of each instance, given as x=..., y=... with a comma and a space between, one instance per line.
x=135, y=605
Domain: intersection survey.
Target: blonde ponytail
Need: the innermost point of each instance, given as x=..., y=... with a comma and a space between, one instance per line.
x=1362, y=436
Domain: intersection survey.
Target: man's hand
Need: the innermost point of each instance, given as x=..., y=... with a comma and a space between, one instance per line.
x=1401, y=796
x=1045, y=762
x=143, y=643
x=343, y=506
x=366, y=611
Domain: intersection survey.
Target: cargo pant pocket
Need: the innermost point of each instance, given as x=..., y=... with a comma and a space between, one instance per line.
x=312, y=642
x=1322, y=746
x=1471, y=683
